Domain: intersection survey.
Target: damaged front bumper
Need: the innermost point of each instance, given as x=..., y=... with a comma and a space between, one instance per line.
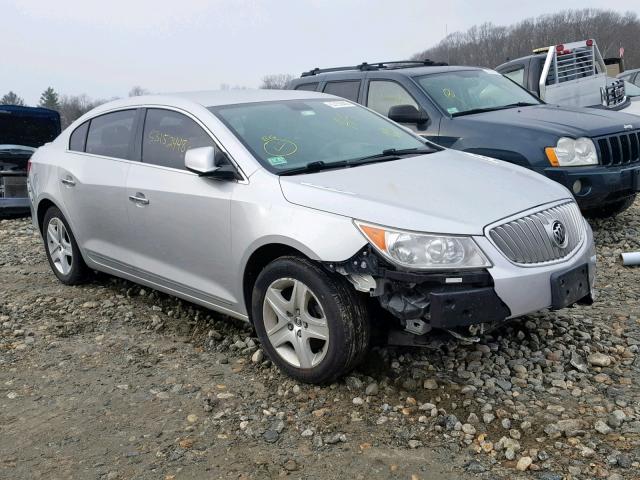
x=471, y=299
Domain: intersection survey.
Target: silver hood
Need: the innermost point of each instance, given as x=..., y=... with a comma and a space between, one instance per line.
x=445, y=192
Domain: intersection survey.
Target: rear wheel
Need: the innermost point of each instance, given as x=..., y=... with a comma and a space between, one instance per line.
x=313, y=325
x=610, y=209
x=61, y=249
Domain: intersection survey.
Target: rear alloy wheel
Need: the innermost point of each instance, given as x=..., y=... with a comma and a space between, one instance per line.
x=61, y=249
x=312, y=324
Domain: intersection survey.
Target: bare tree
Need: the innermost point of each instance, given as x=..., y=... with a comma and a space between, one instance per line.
x=277, y=81
x=11, y=98
x=74, y=106
x=489, y=45
x=138, y=91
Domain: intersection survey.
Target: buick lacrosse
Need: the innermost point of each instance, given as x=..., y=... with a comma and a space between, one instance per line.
x=309, y=216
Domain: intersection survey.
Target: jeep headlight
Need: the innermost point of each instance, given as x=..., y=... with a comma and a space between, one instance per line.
x=570, y=152
x=424, y=251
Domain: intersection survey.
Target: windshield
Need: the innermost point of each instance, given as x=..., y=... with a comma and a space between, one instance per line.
x=630, y=89
x=291, y=134
x=471, y=91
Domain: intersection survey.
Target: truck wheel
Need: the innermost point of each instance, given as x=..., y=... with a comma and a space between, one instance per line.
x=313, y=325
x=610, y=209
x=62, y=249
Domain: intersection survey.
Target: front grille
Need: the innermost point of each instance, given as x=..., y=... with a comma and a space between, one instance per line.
x=13, y=187
x=529, y=240
x=620, y=149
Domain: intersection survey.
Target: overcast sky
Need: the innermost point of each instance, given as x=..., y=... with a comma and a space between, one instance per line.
x=103, y=48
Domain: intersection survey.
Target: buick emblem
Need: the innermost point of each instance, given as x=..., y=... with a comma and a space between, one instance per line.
x=559, y=234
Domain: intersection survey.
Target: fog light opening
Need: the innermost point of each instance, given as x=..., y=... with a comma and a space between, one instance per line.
x=577, y=187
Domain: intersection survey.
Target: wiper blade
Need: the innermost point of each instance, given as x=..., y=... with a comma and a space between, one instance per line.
x=317, y=166
x=390, y=154
x=493, y=109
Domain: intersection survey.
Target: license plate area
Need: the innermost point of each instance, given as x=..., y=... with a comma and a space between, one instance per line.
x=636, y=180
x=569, y=286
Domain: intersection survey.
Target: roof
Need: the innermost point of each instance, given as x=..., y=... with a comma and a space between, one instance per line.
x=405, y=71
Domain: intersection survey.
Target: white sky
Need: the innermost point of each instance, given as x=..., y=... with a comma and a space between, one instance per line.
x=103, y=48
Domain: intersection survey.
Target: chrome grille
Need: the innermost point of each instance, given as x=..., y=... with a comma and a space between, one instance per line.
x=529, y=240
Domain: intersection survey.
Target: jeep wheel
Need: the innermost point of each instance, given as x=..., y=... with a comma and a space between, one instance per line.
x=313, y=325
x=610, y=209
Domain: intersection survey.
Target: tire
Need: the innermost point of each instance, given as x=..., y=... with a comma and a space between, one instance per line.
x=62, y=249
x=330, y=307
x=610, y=209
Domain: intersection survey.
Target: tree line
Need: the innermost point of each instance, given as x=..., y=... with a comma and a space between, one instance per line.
x=490, y=45
x=70, y=107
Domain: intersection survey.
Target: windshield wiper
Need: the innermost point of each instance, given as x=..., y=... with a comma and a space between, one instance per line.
x=493, y=109
x=385, y=156
x=390, y=154
x=317, y=166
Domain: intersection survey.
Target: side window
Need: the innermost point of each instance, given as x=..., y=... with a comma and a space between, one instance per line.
x=516, y=75
x=111, y=134
x=78, y=138
x=168, y=135
x=310, y=87
x=346, y=89
x=384, y=94
x=636, y=80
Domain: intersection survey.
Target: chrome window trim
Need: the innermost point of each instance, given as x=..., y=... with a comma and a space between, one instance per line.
x=218, y=144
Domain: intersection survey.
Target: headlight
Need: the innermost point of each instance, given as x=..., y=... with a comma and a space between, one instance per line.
x=572, y=153
x=424, y=251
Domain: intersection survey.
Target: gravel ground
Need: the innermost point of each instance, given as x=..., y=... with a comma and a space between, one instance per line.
x=110, y=380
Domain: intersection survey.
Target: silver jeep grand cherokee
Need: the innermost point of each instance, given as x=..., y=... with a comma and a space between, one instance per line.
x=304, y=213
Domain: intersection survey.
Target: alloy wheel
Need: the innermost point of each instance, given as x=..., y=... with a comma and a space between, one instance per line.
x=59, y=246
x=295, y=323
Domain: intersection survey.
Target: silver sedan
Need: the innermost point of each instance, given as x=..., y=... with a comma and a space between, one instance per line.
x=309, y=216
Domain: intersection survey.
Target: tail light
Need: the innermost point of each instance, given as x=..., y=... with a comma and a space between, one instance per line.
x=590, y=43
x=28, y=167
x=559, y=48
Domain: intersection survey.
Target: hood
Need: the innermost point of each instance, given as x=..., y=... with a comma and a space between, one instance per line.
x=555, y=119
x=444, y=192
x=633, y=108
x=28, y=126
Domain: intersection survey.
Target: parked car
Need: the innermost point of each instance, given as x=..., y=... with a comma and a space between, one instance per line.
x=572, y=74
x=594, y=153
x=22, y=130
x=300, y=212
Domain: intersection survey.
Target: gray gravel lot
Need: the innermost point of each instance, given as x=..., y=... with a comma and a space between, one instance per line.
x=110, y=380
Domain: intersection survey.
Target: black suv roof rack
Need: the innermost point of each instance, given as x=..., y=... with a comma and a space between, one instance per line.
x=364, y=66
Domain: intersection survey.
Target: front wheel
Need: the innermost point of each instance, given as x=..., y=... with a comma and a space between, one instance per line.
x=62, y=249
x=610, y=209
x=313, y=325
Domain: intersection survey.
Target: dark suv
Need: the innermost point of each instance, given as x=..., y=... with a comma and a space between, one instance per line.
x=594, y=153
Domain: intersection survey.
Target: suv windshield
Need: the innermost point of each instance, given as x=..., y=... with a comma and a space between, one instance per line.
x=293, y=135
x=464, y=92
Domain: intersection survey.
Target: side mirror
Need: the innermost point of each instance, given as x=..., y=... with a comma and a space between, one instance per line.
x=407, y=114
x=209, y=162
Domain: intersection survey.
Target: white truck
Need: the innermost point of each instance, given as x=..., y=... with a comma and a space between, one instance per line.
x=572, y=74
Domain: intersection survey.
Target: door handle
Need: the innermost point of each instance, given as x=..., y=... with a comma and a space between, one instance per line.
x=68, y=181
x=139, y=199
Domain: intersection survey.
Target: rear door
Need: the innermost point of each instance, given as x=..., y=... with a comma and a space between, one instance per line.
x=93, y=186
x=180, y=221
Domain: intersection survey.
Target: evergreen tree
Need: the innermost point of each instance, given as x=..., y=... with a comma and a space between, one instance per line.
x=49, y=99
x=11, y=98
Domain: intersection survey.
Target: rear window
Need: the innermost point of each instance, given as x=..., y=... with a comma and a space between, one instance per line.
x=309, y=87
x=111, y=134
x=79, y=138
x=348, y=89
